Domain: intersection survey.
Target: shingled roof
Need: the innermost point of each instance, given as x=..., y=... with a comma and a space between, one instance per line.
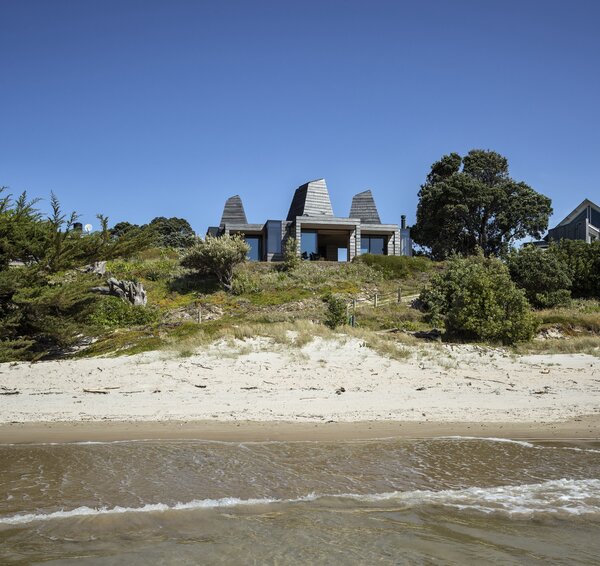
x=311, y=199
x=363, y=207
x=233, y=211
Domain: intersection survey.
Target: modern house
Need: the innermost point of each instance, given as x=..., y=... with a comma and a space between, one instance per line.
x=582, y=224
x=319, y=235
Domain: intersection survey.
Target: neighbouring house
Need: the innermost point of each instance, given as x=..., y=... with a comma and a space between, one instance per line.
x=581, y=224
x=318, y=233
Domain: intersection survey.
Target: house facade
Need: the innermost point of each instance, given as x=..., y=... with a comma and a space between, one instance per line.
x=319, y=234
x=581, y=224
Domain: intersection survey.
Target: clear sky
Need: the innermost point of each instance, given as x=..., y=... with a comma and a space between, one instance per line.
x=143, y=108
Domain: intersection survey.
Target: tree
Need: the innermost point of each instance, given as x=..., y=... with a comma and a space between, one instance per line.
x=583, y=265
x=173, y=232
x=542, y=275
x=218, y=257
x=479, y=206
x=475, y=299
x=44, y=302
x=122, y=228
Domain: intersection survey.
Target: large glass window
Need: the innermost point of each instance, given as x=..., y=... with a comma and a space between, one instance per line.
x=274, y=236
x=255, y=243
x=373, y=245
x=308, y=244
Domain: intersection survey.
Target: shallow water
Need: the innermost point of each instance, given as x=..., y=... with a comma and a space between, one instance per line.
x=438, y=501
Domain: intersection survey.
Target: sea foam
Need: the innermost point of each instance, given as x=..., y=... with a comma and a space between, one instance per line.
x=554, y=497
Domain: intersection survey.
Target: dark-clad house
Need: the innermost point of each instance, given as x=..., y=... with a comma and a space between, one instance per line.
x=318, y=233
x=582, y=224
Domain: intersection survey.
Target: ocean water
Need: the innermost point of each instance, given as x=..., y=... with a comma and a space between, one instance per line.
x=451, y=500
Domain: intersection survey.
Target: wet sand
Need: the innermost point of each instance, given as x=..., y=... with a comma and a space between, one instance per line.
x=583, y=428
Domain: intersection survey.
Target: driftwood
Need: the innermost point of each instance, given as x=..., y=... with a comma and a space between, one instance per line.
x=98, y=268
x=127, y=290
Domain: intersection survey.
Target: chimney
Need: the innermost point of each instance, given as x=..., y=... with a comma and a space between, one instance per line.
x=403, y=221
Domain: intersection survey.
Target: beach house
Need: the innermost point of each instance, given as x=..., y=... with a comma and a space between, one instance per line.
x=318, y=233
x=583, y=223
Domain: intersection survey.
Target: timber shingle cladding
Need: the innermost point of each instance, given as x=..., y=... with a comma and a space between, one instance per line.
x=233, y=212
x=311, y=199
x=311, y=210
x=363, y=207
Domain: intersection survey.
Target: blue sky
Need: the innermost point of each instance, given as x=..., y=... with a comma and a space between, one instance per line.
x=142, y=108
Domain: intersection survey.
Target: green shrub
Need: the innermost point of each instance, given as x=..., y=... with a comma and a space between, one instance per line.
x=476, y=299
x=218, y=257
x=396, y=267
x=112, y=312
x=583, y=262
x=291, y=260
x=246, y=282
x=40, y=314
x=543, y=276
x=336, y=311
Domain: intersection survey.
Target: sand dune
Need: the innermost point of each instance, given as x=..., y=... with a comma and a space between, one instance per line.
x=323, y=381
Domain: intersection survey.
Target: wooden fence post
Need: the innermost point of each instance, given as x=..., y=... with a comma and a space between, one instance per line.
x=399, y=295
x=376, y=300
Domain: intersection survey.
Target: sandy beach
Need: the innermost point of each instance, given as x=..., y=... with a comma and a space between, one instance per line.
x=331, y=388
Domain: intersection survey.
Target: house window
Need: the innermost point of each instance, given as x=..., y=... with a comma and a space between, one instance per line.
x=308, y=244
x=255, y=243
x=274, y=236
x=373, y=245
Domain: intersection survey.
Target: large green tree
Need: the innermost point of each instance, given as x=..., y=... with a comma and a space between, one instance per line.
x=471, y=202
x=173, y=232
x=45, y=302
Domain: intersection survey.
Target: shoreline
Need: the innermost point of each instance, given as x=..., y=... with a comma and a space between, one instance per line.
x=580, y=429
x=325, y=390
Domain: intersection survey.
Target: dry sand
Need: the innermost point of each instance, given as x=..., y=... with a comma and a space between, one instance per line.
x=330, y=388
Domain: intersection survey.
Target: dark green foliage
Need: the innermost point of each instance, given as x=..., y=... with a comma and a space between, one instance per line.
x=21, y=231
x=122, y=228
x=50, y=243
x=542, y=275
x=478, y=207
x=583, y=263
x=42, y=314
x=396, y=267
x=45, y=302
x=172, y=232
x=112, y=312
x=336, y=311
x=475, y=299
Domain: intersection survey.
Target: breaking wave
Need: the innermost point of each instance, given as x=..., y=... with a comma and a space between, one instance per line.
x=556, y=497
x=518, y=442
